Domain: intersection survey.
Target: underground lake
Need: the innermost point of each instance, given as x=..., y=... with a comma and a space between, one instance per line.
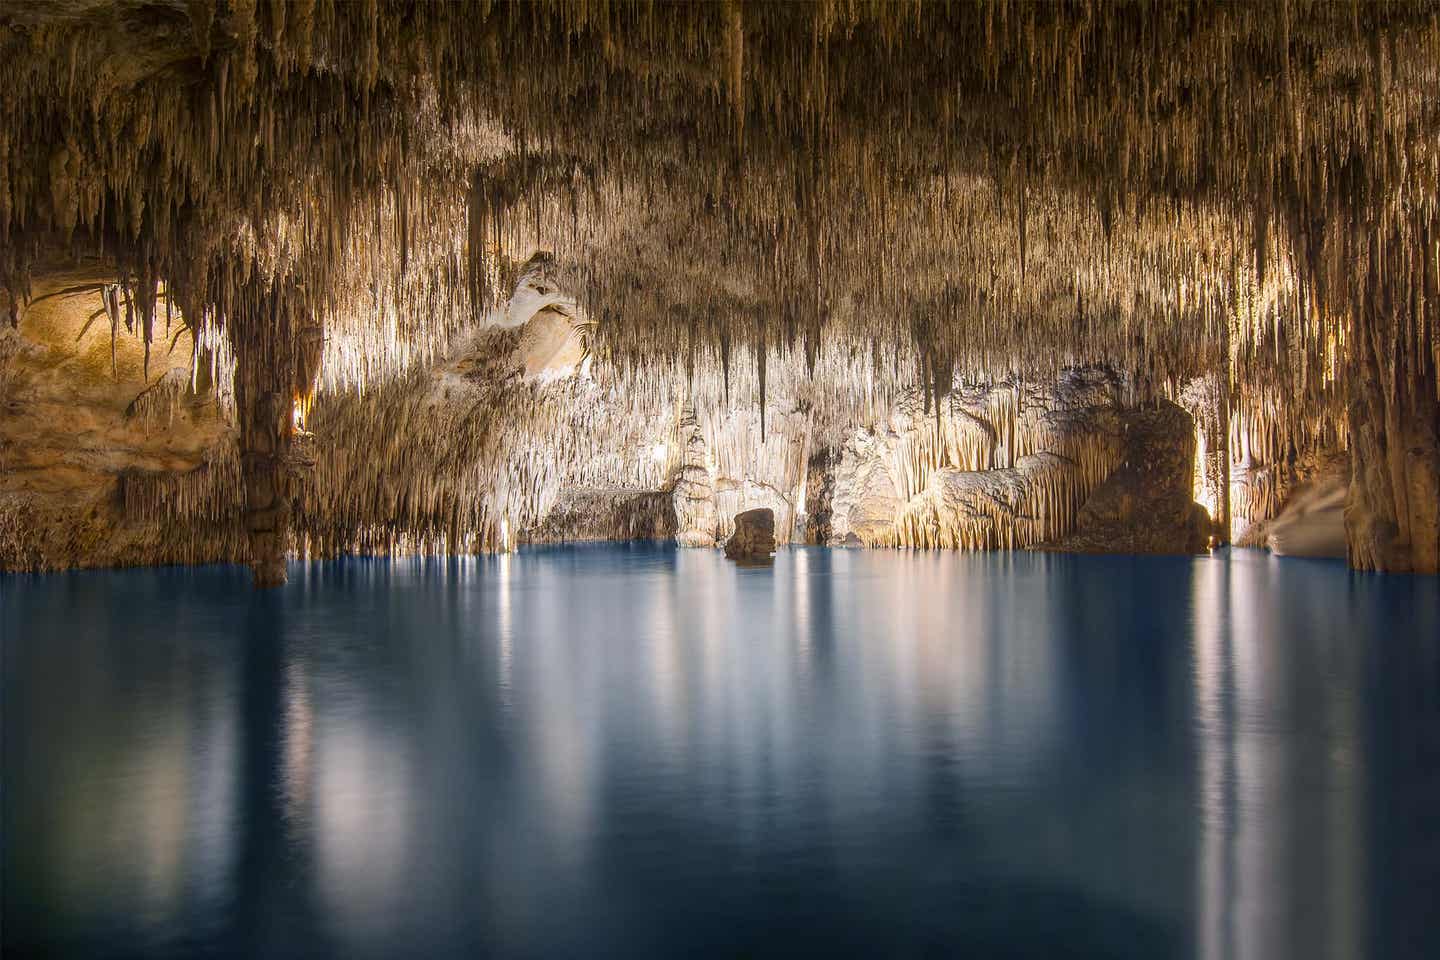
x=636, y=750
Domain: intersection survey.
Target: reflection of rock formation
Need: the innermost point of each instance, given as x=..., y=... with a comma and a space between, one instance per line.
x=122, y=772
x=1266, y=666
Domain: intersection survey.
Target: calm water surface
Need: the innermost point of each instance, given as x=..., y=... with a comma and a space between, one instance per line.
x=637, y=751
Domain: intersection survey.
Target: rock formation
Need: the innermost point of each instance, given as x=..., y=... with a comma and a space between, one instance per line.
x=753, y=539
x=1146, y=504
x=1000, y=465
x=406, y=276
x=1265, y=491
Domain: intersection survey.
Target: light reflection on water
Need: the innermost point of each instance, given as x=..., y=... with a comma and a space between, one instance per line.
x=637, y=750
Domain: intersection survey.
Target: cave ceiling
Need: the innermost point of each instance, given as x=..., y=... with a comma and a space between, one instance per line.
x=972, y=186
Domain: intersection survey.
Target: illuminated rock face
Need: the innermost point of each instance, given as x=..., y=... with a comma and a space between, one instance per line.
x=81, y=424
x=498, y=445
x=754, y=538
x=993, y=466
x=1263, y=492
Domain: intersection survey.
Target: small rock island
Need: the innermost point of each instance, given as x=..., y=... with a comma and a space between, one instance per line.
x=753, y=541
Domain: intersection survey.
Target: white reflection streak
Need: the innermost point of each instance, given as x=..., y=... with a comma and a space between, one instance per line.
x=299, y=736
x=506, y=638
x=666, y=657
x=158, y=821
x=802, y=608
x=1260, y=891
x=213, y=797
x=363, y=816
x=1261, y=819
x=562, y=726
x=1214, y=698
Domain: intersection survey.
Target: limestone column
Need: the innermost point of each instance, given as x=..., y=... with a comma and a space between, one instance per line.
x=694, y=490
x=276, y=360
x=1392, y=513
x=1217, y=456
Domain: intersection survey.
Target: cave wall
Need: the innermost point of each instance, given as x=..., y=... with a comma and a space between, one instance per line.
x=994, y=466
x=86, y=416
x=515, y=436
x=1392, y=512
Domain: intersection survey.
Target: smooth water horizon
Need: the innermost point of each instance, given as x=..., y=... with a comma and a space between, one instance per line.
x=633, y=750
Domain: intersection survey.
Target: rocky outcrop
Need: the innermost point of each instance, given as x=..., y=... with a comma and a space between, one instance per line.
x=1392, y=513
x=1146, y=504
x=1207, y=400
x=1065, y=463
x=1004, y=508
x=1001, y=465
x=819, y=497
x=754, y=538
x=864, y=502
x=755, y=467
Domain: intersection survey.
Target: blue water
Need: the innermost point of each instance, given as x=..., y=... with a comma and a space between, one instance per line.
x=636, y=751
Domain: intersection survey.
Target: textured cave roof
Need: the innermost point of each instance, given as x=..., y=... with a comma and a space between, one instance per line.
x=971, y=186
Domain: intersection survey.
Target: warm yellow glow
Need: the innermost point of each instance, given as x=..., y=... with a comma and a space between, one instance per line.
x=1201, y=491
x=1334, y=353
x=300, y=412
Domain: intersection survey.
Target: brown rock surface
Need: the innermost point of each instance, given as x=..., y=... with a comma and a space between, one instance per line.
x=580, y=515
x=80, y=420
x=754, y=538
x=1145, y=505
